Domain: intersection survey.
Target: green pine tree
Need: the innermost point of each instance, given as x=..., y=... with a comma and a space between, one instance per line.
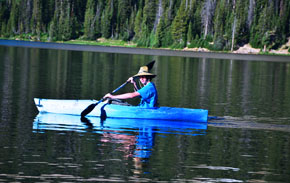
x=189, y=34
x=138, y=24
x=149, y=14
x=160, y=35
x=179, y=25
x=36, y=21
x=123, y=17
x=106, y=21
x=89, y=24
x=12, y=24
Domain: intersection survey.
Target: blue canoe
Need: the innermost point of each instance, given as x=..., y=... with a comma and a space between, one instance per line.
x=75, y=107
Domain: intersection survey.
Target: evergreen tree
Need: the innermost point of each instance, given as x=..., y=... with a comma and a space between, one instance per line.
x=149, y=14
x=148, y=22
x=179, y=25
x=47, y=9
x=160, y=35
x=90, y=22
x=107, y=20
x=197, y=21
x=25, y=16
x=64, y=21
x=262, y=23
x=138, y=24
x=123, y=17
x=189, y=34
x=4, y=15
x=129, y=33
x=220, y=20
x=12, y=24
x=207, y=16
x=36, y=21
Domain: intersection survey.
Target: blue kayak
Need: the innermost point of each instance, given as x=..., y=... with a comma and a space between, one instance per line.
x=75, y=107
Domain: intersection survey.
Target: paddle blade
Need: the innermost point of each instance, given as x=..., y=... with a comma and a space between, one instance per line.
x=150, y=65
x=88, y=109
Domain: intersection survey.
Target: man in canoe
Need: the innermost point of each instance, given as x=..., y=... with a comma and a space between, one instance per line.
x=148, y=93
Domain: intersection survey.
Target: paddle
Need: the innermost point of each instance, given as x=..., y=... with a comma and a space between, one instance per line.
x=92, y=106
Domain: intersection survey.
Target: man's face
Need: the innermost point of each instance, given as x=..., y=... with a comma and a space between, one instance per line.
x=143, y=80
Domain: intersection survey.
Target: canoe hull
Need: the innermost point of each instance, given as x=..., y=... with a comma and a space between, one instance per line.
x=75, y=107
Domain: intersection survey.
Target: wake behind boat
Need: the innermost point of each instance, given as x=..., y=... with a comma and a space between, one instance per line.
x=75, y=107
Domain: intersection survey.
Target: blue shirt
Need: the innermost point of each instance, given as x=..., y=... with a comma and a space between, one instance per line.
x=149, y=96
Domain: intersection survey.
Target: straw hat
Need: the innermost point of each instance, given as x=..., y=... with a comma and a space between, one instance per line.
x=143, y=71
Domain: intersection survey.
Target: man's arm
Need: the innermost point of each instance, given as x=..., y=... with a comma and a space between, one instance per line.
x=122, y=96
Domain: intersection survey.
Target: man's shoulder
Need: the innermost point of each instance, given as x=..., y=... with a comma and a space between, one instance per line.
x=151, y=84
x=149, y=87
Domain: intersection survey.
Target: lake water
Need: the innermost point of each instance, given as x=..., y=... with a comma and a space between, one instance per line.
x=245, y=140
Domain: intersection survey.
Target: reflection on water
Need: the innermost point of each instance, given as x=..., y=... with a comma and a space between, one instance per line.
x=252, y=98
x=136, y=136
x=133, y=137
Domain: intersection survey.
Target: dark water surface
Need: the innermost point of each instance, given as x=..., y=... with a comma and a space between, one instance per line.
x=246, y=139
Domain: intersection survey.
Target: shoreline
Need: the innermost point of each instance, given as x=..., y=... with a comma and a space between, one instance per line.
x=146, y=51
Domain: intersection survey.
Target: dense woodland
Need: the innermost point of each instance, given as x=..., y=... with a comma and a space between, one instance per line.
x=212, y=24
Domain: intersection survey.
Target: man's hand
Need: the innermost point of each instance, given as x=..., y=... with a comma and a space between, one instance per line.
x=108, y=95
x=131, y=80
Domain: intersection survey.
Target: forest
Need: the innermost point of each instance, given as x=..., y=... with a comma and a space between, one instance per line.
x=223, y=25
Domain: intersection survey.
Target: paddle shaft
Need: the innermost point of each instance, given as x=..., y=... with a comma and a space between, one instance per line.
x=117, y=89
x=92, y=106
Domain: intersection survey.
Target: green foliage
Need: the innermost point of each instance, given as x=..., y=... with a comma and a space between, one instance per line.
x=151, y=23
x=90, y=22
x=52, y=32
x=189, y=33
x=160, y=34
x=219, y=44
x=255, y=41
x=179, y=26
x=107, y=20
x=219, y=19
x=12, y=25
x=194, y=42
x=145, y=37
x=3, y=30
x=201, y=43
x=138, y=25
x=149, y=14
x=36, y=22
x=123, y=17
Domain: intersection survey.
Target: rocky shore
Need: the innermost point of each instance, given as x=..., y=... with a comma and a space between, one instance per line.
x=247, y=49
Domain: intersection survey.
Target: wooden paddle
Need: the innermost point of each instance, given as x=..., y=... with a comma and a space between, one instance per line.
x=92, y=106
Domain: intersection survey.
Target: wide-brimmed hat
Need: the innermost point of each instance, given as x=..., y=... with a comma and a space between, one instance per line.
x=143, y=71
